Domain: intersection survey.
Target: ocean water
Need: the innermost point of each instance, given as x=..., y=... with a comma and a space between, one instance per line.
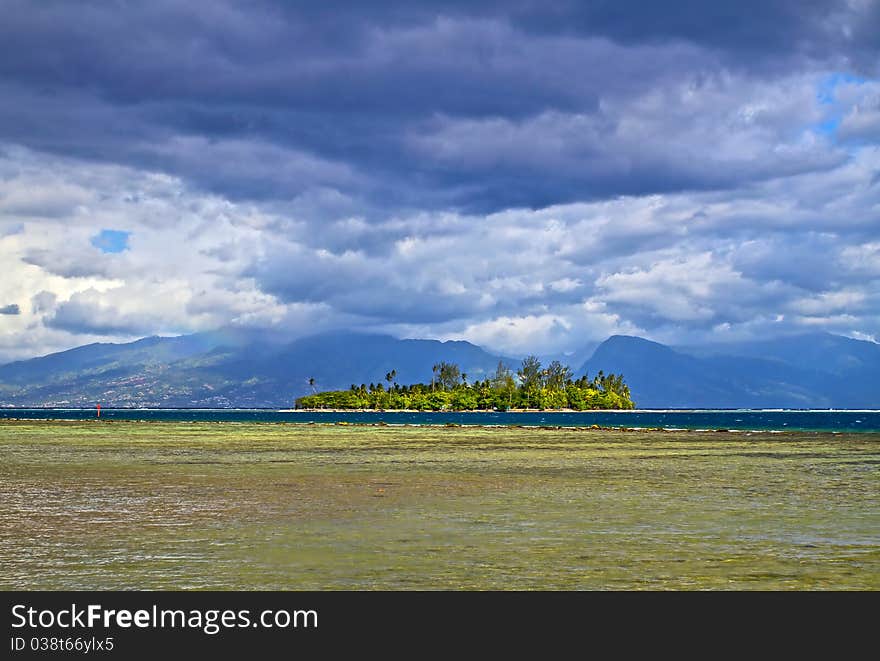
x=731, y=419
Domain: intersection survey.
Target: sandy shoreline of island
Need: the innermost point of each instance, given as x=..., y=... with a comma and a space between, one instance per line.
x=452, y=411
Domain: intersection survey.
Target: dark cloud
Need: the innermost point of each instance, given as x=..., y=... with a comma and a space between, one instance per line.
x=87, y=314
x=809, y=262
x=276, y=100
x=750, y=31
x=67, y=263
x=12, y=308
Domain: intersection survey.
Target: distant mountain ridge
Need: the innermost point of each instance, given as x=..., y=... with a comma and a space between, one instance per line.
x=226, y=370
x=816, y=370
x=235, y=368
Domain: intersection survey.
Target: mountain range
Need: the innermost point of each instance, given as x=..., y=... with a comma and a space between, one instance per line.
x=816, y=370
x=235, y=368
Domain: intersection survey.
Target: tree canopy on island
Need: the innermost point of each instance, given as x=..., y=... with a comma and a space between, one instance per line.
x=531, y=387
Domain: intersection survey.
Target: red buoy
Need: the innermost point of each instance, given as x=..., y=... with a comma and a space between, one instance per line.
x=99, y=410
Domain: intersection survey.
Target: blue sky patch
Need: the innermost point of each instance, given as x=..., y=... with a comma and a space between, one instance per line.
x=826, y=95
x=111, y=241
x=828, y=85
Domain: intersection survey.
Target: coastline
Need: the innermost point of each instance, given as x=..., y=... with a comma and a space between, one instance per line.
x=484, y=411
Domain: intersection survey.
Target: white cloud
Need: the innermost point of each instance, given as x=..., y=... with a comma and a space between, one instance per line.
x=680, y=289
x=827, y=302
x=788, y=253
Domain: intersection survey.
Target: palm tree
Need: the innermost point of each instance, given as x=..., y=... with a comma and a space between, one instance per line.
x=390, y=378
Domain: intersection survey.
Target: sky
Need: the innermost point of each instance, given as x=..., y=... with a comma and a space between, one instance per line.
x=531, y=176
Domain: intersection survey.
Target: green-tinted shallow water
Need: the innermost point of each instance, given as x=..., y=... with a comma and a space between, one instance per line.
x=91, y=505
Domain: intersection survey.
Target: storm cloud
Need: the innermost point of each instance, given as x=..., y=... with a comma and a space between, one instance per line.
x=518, y=174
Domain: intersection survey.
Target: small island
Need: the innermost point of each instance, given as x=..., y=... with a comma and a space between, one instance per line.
x=532, y=387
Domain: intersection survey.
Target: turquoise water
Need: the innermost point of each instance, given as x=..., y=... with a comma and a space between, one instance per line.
x=763, y=420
